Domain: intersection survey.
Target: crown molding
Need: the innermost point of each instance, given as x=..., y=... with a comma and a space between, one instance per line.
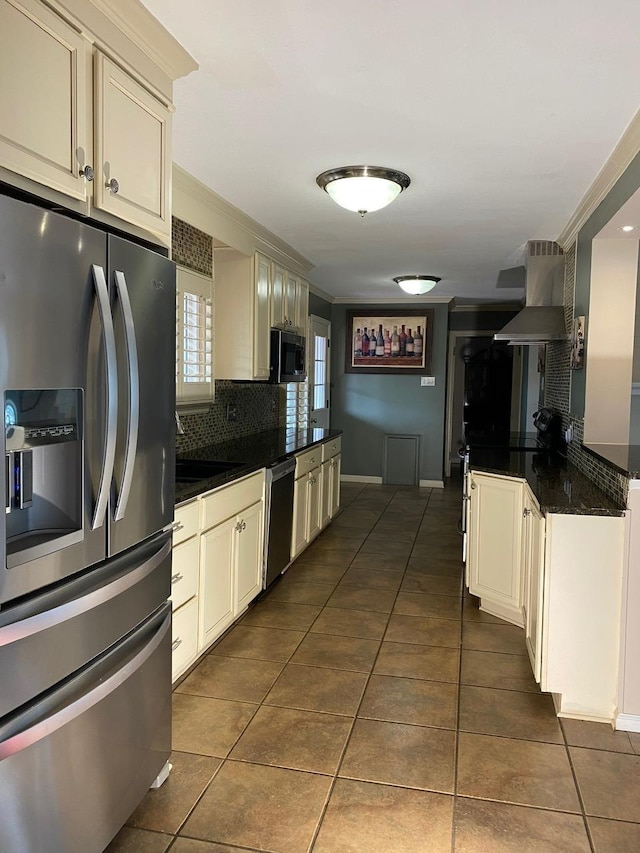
x=317, y=291
x=409, y=301
x=619, y=160
x=195, y=203
x=146, y=31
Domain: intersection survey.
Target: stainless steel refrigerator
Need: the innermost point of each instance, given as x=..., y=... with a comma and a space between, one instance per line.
x=87, y=381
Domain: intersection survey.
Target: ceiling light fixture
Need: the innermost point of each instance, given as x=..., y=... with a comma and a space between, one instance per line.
x=627, y=228
x=417, y=285
x=363, y=188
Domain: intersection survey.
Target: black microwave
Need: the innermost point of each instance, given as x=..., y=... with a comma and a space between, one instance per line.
x=287, y=357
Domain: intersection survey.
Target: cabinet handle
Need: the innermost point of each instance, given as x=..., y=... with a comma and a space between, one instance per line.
x=244, y=525
x=177, y=525
x=314, y=421
x=238, y=527
x=177, y=642
x=312, y=460
x=87, y=173
x=526, y=512
x=177, y=577
x=473, y=485
x=113, y=186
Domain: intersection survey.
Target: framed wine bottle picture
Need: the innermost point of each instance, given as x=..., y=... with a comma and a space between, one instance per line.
x=398, y=341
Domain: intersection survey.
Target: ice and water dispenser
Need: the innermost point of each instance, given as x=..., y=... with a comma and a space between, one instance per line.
x=43, y=467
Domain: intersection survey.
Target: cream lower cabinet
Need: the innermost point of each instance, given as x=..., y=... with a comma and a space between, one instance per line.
x=307, y=499
x=495, y=544
x=185, y=573
x=217, y=565
x=533, y=541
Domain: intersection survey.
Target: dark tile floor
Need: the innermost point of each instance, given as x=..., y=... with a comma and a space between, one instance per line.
x=366, y=705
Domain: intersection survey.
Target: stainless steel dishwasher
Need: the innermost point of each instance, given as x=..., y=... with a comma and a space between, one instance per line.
x=279, y=520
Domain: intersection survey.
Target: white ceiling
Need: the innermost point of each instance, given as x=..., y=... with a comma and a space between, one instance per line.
x=501, y=111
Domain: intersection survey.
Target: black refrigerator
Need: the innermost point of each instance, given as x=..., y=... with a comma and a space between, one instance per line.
x=87, y=381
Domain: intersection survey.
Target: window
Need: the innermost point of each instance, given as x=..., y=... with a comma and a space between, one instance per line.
x=297, y=406
x=194, y=344
x=318, y=339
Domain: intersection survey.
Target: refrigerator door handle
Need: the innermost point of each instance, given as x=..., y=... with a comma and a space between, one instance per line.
x=83, y=691
x=133, y=394
x=109, y=338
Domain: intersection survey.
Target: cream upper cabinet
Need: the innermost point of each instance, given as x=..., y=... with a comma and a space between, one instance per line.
x=242, y=315
x=277, y=296
x=46, y=72
x=87, y=115
x=495, y=544
x=132, y=149
x=302, y=306
x=290, y=298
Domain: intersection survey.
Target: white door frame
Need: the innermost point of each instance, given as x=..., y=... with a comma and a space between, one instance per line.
x=319, y=323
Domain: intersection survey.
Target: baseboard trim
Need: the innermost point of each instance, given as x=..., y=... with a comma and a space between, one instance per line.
x=359, y=478
x=432, y=484
x=628, y=723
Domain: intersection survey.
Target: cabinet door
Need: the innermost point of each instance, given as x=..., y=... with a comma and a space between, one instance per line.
x=495, y=545
x=325, y=493
x=216, y=581
x=290, y=297
x=185, y=571
x=314, y=507
x=248, y=557
x=261, y=318
x=302, y=306
x=533, y=584
x=184, y=637
x=300, y=504
x=44, y=66
x=133, y=150
x=277, y=295
x=334, y=499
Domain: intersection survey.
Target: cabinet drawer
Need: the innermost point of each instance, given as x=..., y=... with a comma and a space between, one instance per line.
x=331, y=448
x=184, y=637
x=230, y=500
x=308, y=460
x=184, y=572
x=187, y=516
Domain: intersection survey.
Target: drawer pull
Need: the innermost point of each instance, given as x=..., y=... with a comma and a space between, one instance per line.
x=177, y=642
x=177, y=525
x=177, y=577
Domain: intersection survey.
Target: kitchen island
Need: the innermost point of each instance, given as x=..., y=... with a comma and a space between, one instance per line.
x=547, y=552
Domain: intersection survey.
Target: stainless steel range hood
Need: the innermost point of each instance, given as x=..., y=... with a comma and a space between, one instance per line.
x=542, y=318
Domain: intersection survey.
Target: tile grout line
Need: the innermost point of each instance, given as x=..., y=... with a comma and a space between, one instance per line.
x=577, y=786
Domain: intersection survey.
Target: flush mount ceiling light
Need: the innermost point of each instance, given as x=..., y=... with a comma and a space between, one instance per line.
x=363, y=188
x=417, y=285
x=627, y=228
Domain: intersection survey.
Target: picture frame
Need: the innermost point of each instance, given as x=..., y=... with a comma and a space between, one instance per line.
x=397, y=357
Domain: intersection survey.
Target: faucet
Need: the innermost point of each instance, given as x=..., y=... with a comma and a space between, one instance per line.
x=179, y=427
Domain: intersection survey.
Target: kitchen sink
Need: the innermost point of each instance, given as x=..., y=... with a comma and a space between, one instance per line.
x=194, y=470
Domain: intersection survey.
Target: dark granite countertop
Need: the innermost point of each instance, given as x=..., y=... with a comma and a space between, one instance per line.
x=512, y=440
x=624, y=457
x=252, y=452
x=558, y=486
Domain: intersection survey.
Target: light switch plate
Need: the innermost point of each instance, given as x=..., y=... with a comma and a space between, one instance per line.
x=427, y=380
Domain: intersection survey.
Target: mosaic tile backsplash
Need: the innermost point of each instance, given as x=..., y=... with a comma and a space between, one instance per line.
x=238, y=408
x=557, y=395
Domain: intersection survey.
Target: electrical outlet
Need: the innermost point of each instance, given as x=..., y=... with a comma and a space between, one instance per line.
x=232, y=412
x=427, y=380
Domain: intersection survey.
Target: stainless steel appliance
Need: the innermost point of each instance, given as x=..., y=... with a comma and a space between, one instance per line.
x=278, y=527
x=287, y=357
x=87, y=365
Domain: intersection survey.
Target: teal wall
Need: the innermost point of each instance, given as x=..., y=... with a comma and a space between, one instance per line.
x=368, y=407
x=620, y=193
x=319, y=307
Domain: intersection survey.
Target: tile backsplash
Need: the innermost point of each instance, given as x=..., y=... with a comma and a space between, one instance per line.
x=239, y=408
x=557, y=395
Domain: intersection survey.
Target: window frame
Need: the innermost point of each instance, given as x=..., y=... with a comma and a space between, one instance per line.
x=194, y=394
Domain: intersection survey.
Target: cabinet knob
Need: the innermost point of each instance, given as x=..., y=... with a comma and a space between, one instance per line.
x=526, y=512
x=176, y=578
x=87, y=173
x=473, y=485
x=175, y=644
x=113, y=186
